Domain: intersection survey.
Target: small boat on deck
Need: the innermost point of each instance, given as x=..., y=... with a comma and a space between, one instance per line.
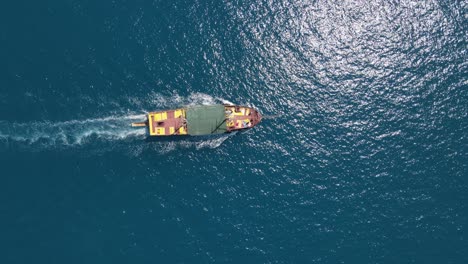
x=200, y=120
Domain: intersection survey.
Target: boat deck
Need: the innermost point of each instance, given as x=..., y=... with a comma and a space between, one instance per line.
x=241, y=117
x=167, y=123
x=201, y=120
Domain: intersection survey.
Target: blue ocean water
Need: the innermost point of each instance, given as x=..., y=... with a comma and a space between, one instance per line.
x=366, y=163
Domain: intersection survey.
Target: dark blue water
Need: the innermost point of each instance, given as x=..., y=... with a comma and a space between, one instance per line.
x=367, y=163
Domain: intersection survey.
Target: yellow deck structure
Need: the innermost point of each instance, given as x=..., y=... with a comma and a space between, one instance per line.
x=167, y=123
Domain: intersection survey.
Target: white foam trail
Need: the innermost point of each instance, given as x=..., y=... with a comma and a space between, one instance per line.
x=224, y=101
x=194, y=142
x=159, y=101
x=47, y=134
x=201, y=98
x=69, y=133
x=74, y=133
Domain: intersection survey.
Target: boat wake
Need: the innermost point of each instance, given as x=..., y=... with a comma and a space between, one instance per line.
x=114, y=131
x=69, y=133
x=157, y=101
x=197, y=143
x=173, y=101
x=47, y=135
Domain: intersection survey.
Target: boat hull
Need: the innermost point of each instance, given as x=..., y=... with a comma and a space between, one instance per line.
x=200, y=120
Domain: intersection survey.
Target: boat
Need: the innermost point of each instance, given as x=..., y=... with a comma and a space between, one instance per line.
x=200, y=120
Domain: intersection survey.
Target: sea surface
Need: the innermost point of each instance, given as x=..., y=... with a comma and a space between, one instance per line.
x=366, y=160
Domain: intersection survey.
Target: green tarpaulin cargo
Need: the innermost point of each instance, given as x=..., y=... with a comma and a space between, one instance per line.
x=206, y=119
